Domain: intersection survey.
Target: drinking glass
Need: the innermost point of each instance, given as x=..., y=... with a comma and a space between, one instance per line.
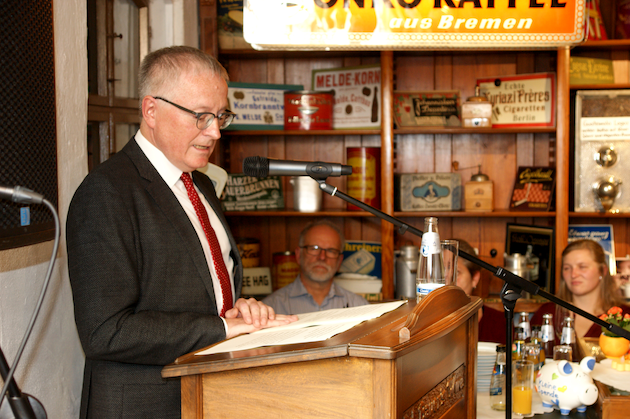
x=522, y=387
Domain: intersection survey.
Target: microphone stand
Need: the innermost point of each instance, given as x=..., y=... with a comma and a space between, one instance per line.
x=22, y=405
x=511, y=291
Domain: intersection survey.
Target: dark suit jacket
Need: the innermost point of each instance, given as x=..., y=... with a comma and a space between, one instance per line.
x=142, y=288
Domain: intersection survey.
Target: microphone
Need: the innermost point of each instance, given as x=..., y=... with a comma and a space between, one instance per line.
x=263, y=167
x=20, y=195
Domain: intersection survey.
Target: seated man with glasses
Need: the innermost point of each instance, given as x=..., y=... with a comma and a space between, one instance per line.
x=319, y=255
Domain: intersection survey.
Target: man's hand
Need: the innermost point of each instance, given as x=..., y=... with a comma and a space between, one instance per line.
x=250, y=315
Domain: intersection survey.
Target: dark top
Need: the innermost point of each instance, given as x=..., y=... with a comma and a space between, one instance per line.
x=492, y=326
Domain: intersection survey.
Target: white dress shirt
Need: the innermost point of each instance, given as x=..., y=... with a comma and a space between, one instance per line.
x=171, y=176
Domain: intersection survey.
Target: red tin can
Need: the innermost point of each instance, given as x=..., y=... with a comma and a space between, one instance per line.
x=308, y=110
x=284, y=270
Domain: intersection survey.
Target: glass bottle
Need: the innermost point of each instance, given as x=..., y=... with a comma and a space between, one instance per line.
x=568, y=336
x=497, y=382
x=536, y=338
x=518, y=345
x=431, y=264
x=547, y=335
x=524, y=323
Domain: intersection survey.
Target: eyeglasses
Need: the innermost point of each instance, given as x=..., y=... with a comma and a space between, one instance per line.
x=204, y=119
x=315, y=250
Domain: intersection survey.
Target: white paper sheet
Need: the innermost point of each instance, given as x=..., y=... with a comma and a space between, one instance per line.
x=311, y=327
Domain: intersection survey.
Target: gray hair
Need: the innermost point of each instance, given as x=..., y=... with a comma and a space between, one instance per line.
x=164, y=66
x=322, y=223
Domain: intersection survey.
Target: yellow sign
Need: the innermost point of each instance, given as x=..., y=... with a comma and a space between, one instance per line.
x=413, y=24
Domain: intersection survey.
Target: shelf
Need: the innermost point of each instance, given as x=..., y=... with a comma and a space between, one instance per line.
x=480, y=214
x=414, y=130
x=599, y=86
x=292, y=213
x=574, y=214
x=305, y=132
x=460, y=130
x=608, y=44
x=259, y=54
x=408, y=214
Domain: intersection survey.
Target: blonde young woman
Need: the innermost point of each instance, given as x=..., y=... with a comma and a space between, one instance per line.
x=587, y=284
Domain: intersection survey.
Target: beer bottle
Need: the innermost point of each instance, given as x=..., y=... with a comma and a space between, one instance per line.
x=524, y=323
x=568, y=337
x=547, y=335
x=536, y=338
x=518, y=346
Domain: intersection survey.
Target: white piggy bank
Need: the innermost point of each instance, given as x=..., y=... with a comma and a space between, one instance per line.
x=566, y=385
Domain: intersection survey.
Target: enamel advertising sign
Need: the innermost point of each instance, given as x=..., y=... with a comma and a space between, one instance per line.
x=413, y=24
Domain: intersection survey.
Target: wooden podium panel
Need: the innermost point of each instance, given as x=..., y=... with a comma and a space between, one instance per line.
x=368, y=371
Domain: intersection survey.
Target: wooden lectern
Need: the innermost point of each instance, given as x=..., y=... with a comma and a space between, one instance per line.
x=418, y=361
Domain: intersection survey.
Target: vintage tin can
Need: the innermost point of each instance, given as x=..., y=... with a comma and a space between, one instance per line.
x=364, y=184
x=284, y=270
x=249, y=250
x=308, y=110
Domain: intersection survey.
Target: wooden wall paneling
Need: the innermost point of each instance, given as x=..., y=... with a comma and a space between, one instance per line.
x=499, y=159
x=444, y=73
x=209, y=39
x=415, y=153
x=493, y=237
x=415, y=73
x=524, y=149
x=443, y=153
x=525, y=63
x=469, y=67
x=544, y=150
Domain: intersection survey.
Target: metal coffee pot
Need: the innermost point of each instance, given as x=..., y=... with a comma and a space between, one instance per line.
x=518, y=265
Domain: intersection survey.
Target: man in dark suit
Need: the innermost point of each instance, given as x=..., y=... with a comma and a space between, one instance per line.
x=154, y=269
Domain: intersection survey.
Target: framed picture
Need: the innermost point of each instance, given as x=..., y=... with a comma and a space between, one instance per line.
x=602, y=234
x=541, y=239
x=438, y=108
x=524, y=100
x=602, y=147
x=357, y=94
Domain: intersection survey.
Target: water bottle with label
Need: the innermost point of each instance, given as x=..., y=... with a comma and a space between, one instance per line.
x=431, y=264
x=497, y=381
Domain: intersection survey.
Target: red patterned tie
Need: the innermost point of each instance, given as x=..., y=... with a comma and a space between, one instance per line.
x=217, y=257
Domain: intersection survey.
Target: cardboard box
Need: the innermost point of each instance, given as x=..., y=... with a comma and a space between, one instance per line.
x=357, y=95
x=479, y=196
x=429, y=192
x=246, y=193
x=257, y=106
